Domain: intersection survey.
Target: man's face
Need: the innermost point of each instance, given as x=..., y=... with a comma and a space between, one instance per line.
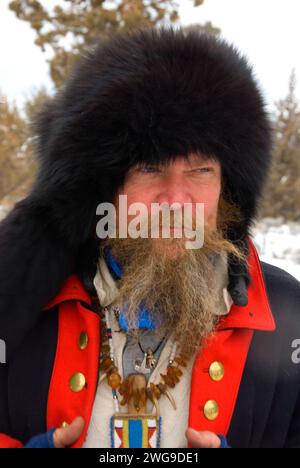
x=176, y=284
x=193, y=180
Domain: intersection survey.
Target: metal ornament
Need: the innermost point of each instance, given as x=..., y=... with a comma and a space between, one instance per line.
x=142, y=366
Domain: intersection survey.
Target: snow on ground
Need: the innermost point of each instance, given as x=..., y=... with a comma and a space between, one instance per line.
x=278, y=243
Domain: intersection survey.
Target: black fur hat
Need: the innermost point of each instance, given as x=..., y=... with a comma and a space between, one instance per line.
x=145, y=96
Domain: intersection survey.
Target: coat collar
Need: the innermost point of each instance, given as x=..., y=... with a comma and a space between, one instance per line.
x=71, y=290
x=256, y=315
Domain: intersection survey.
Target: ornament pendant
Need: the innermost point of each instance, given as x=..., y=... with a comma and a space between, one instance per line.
x=142, y=367
x=135, y=431
x=137, y=428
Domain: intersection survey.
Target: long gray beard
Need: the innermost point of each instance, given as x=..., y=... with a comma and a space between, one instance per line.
x=181, y=294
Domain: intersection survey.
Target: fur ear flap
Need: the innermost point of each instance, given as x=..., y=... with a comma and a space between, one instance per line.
x=34, y=262
x=87, y=261
x=239, y=277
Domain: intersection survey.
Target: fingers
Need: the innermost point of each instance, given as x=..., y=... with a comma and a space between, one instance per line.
x=203, y=439
x=66, y=436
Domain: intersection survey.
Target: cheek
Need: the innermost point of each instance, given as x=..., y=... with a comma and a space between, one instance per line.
x=212, y=208
x=212, y=200
x=140, y=194
x=135, y=194
x=210, y=197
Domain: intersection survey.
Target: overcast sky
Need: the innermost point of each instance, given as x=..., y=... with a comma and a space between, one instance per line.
x=267, y=31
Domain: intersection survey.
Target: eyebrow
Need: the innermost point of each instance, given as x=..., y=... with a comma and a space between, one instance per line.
x=202, y=160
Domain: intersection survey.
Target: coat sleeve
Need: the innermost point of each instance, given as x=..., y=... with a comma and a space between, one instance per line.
x=5, y=440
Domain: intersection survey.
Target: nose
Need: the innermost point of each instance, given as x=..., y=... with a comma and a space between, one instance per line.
x=173, y=190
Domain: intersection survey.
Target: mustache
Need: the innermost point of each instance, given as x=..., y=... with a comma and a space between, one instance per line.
x=214, y=242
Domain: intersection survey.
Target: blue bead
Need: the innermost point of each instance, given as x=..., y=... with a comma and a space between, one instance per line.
x=144, y=321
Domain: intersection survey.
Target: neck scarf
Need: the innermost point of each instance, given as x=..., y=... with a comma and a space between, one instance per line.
x=144, y=320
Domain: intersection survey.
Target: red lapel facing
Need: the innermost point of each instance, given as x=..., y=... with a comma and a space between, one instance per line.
x=75, y=371
x=218, y=369
x=257, y=314
x=216, y=379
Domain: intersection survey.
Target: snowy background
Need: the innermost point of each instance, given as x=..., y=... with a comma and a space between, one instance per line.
x=278, y=243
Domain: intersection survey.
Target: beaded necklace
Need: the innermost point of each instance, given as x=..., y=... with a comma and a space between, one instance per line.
x=136, y=428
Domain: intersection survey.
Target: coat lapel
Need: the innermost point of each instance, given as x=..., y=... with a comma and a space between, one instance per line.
x=219, y=367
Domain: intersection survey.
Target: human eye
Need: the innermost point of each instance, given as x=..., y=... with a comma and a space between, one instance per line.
x=203, y=170
x=148, y=169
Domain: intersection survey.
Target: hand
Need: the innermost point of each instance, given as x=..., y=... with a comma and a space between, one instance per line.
x=66, y=436
x=203, y=439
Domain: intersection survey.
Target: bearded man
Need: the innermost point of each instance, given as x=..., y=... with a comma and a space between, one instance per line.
x=141, y=341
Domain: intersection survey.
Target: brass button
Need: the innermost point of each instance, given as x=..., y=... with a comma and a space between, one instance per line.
x=77, y=382
x=211, y=410
x=64, y=424
x=216, y=371
x=83, y=340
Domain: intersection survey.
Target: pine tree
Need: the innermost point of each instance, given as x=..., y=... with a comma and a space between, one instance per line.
x=69, y=30
x=17, y=156
x=13, y=139
x=282, y=197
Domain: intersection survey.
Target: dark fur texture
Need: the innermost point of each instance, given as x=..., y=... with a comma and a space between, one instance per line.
x=147, y=96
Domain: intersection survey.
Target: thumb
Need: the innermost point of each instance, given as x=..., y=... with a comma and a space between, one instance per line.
x=66, y=436
x=202, y=439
